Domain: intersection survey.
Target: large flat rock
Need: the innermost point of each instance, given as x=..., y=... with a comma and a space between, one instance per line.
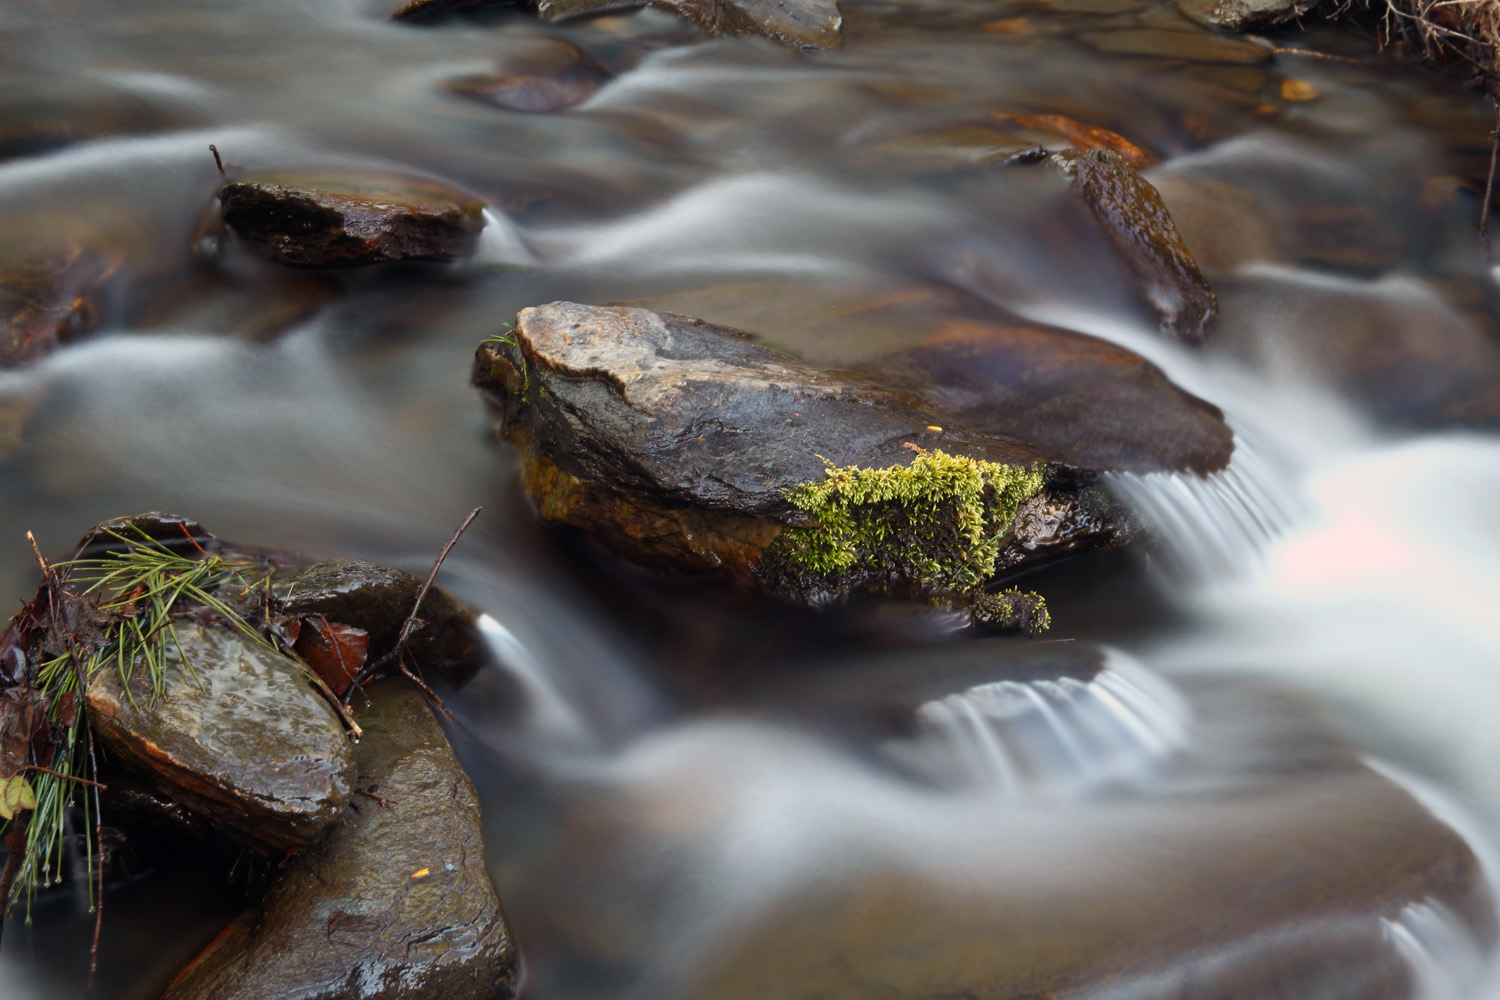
x=678, y=442
x=395, y=904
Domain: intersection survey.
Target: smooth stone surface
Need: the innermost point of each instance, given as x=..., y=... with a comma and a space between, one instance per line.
x=1137, y=222
x=1244, y=15
x=551, y=75
x=1081, y=401
x=395, y=904
x=248, y=746
x=313, y=218
x=377, y=599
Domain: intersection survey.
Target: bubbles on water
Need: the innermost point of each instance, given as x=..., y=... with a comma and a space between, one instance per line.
x=1050, y=738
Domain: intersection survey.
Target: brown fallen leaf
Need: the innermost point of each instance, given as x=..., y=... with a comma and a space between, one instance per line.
x=336, y=652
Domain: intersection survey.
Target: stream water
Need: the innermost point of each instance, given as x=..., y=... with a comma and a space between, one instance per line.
x=686, y=793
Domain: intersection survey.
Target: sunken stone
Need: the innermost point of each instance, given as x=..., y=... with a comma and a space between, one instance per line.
x=395, y=904
x=311, y=218
x=238, y=738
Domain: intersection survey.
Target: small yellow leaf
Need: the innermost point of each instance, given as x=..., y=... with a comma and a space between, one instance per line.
x=1298, y=90
x=420, y=873
x=10, y=795
x=5, y=811
x=28, y=797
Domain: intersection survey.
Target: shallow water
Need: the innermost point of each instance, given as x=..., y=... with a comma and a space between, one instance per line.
x=673, y=773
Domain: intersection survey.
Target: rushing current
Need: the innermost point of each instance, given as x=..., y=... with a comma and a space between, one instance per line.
x=688, y=795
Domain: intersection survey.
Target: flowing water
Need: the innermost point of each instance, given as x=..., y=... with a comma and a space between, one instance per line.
x=691, y=794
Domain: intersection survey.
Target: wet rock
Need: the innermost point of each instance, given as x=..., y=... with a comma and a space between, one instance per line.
x=49, y=294
x=1084, y=402
x=799, y=24
x=239, y=737
x=376, y=599
x=1228, y=226
x=1140, y=227
x=1244, y=15
x=315, y=218
x=395, y=904
x=684, y=444
x=956, y=147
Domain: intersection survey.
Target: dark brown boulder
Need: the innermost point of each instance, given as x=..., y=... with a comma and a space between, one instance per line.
x=395, y=904
x=1244, y=15
x=312, y=218
x=799, y=24
x=1137, y=222
x=238, y=737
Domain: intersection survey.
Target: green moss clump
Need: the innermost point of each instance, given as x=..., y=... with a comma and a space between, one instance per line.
x=1011, y=611
x=931, y=528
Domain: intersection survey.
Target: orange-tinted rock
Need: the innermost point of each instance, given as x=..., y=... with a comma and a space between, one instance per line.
x=315, y=218
x=1083, y=136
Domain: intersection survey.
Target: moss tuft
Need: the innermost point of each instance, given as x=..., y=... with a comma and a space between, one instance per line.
x=933, y=527
x=1011, y=611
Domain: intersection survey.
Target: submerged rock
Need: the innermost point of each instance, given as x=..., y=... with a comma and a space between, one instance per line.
x=1243, y=15
x=1140, y=227
x=48, y=294
x=316, y=218
x=395, y=904
x=800, y=24
x=419, y=9
x=685, y=444
x=238, y=737
x=553, y=77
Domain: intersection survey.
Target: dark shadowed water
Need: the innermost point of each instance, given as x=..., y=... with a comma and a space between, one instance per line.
x=683, y=793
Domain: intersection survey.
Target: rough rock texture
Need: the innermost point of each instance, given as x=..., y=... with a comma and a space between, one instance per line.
x=248, y=746
x=377, y=599
x=395, y=904
x=1138, y=224
x=800, y=24
x=315, y=218
x=676, y=441
x=1243, y=15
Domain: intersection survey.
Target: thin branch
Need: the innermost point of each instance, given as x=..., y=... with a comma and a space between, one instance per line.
x=1489, y=184
x=59, y=774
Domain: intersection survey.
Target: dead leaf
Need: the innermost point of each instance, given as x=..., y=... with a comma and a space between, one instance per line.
x=1083, y=136
x=334, y=651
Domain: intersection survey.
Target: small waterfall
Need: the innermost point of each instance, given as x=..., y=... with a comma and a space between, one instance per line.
x=1051, y=738
x=1211, y=527
x=501, y=244
x=1446, y=962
